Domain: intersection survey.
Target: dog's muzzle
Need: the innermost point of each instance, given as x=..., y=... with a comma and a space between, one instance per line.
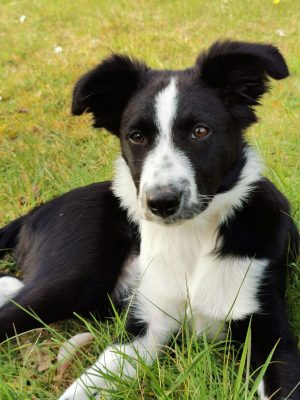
x=163, y=201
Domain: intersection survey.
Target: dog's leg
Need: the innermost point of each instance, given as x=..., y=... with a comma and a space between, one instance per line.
x=122, y=359
x=269, y=331
x=51, y=301
x=15, y=313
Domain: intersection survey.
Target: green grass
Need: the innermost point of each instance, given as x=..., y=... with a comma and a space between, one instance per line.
x=44, y=152
x=189, y=368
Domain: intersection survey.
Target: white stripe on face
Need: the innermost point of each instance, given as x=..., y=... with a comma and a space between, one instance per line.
x=165, y=165
x=165, y=109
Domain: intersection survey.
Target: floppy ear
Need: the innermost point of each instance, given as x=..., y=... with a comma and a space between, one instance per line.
x=240, y=72
x=106, y=90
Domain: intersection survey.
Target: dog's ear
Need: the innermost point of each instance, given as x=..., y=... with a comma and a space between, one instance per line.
x=240, y=72
x=106, y=90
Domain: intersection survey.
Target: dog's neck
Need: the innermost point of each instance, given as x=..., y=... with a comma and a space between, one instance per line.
x=220, y=209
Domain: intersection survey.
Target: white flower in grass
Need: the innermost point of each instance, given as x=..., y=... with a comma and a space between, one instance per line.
x=95, y=41
x=22, y=18
x=280, y=32
x=58, y=49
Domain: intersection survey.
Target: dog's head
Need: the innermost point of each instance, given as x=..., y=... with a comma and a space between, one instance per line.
x=181, y=131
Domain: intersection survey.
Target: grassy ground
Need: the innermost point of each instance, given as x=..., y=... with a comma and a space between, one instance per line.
x=44, y=152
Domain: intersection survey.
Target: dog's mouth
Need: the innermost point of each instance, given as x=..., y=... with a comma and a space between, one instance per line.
x=171, y=210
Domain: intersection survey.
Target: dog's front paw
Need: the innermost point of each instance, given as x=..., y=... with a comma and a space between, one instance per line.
x=77, y=391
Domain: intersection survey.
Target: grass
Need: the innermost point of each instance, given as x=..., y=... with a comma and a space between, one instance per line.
x=45, y=152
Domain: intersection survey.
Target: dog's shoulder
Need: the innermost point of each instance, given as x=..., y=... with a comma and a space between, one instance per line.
x=261, y=227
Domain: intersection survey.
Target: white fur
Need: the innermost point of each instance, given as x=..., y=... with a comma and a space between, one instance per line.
x=165, y=164
x=112, y=361
x=165, y=109
x=178, y=268
x=128, y=279
x=226, y=287
x=226, y=203
x=9, y=287
x=124, y=189
x=178, y=272
x=222, y=206
x=261, y=391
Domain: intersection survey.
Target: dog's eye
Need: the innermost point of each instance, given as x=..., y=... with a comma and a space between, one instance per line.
x=200, y=132
x=137, y=138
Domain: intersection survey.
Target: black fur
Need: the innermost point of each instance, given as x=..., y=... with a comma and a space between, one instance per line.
x=263, y=229
x=67, y=252
x=239, y=72
x=9, y=236
x=118, y=78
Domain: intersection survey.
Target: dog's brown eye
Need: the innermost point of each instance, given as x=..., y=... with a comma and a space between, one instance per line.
x=200, y=132
x=137, y=138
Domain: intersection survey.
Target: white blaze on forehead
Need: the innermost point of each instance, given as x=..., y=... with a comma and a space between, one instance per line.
x=165, y=108
x=166, y=164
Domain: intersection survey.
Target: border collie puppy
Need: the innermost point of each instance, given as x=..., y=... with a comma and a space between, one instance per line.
x=188, y=226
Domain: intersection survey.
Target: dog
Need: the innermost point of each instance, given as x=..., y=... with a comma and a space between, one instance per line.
x=188, y=226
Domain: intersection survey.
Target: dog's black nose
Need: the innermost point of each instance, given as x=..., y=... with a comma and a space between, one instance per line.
x=163, y=202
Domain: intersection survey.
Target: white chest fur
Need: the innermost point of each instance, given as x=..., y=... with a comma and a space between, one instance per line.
x=179, y=271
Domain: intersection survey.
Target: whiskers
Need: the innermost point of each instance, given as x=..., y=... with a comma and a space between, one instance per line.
x=192, y=211
x=205, y=199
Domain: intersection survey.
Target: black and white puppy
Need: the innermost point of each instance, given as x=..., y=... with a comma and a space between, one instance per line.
x=188, y=226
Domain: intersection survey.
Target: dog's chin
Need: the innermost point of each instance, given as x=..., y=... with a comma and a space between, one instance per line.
x=179, y=218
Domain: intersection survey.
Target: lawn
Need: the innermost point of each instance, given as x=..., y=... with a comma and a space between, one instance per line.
x=44, y=151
